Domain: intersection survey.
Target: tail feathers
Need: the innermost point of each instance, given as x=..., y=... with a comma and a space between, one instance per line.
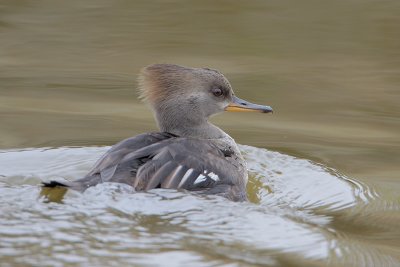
x=53, y=191
x=53, y=184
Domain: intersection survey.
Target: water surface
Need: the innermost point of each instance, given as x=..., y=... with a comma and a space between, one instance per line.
x=292, y=216
x=326, y=190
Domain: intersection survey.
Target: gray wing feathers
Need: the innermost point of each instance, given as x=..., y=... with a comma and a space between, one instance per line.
x=171, y=163
x=108, y=173
x=162, y=160
x=185, y=163
x=128, y=146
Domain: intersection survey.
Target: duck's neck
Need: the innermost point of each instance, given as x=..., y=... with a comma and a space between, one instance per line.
x=206, y=131
x=181, y=125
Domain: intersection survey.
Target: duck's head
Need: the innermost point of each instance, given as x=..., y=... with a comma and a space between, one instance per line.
x=183, y=97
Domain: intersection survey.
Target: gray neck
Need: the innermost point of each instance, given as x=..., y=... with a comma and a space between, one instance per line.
x=205, y=131
x=178, y=122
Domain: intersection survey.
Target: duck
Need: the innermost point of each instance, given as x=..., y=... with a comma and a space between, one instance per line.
x=188, y=153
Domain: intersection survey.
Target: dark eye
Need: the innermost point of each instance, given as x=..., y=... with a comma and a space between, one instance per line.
x=217, y=91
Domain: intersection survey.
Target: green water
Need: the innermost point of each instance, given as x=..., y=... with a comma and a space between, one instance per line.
x=330, y=70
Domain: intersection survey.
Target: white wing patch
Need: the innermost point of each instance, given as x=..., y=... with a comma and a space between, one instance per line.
x=205, y=175
x=213, y=176
x=199, y=179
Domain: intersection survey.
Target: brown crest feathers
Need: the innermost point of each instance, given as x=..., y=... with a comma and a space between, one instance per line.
x=158, y=81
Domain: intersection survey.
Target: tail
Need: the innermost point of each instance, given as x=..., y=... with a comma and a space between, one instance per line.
x=53, y=191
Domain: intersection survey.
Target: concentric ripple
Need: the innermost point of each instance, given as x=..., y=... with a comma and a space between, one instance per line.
x=294, y=220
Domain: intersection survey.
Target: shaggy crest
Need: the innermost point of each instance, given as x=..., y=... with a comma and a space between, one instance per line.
x=160, y=81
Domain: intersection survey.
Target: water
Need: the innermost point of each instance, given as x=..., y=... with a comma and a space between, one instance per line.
x=325, y=190
x=110, y=224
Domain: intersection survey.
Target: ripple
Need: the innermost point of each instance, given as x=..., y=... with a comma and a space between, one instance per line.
x=299, y=183
x=298, y=219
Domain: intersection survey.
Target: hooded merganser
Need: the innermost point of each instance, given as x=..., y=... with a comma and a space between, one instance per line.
x=189, y=152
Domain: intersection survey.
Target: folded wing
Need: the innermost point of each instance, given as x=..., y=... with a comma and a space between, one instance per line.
x=163, y=160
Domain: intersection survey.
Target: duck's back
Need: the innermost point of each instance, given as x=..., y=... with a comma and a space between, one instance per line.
x=164, y=160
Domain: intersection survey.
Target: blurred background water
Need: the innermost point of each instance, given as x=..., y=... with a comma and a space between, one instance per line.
x=330, y=70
